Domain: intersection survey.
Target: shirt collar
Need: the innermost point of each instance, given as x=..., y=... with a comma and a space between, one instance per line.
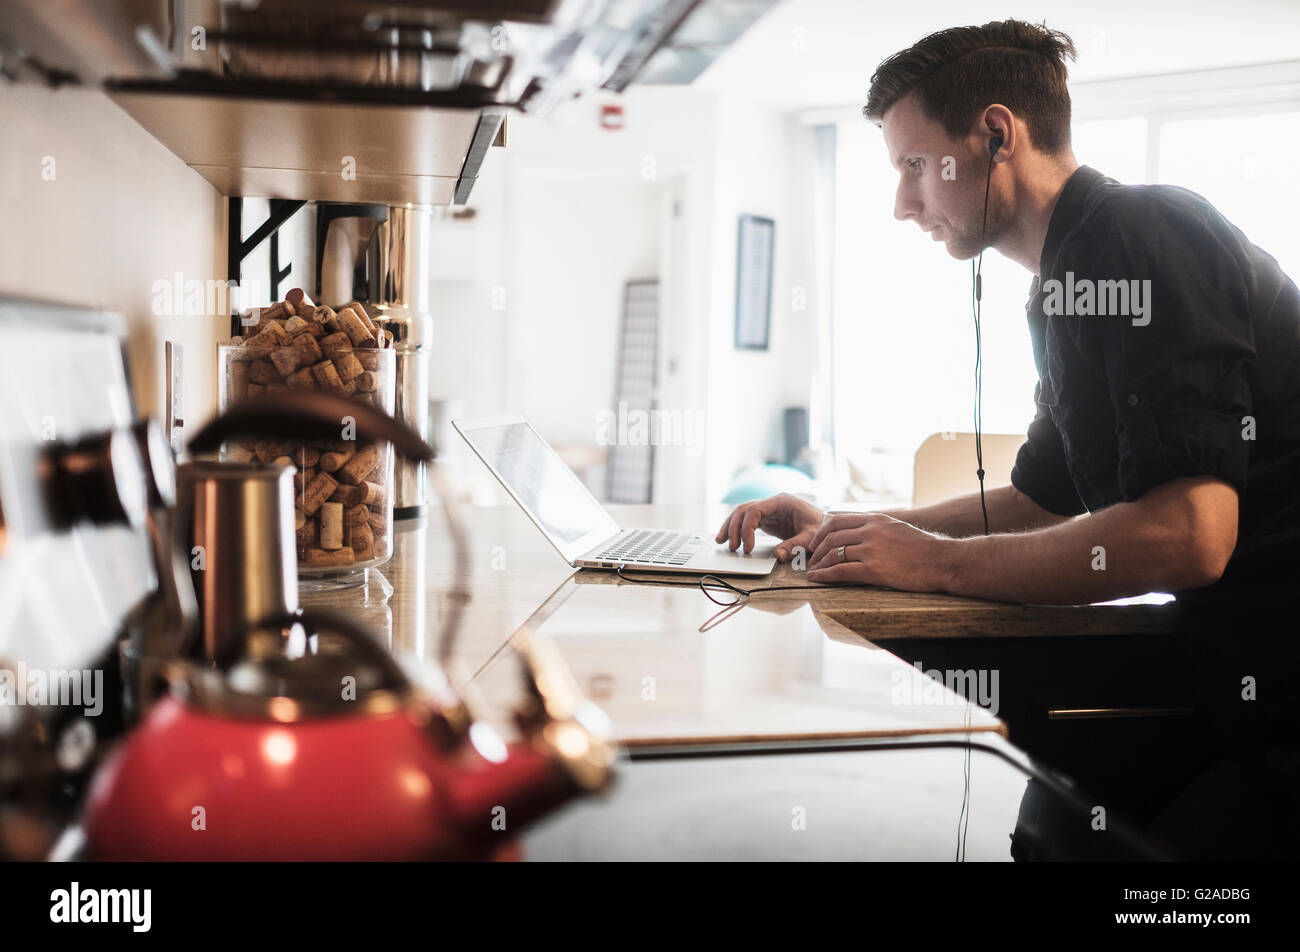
x=1068, y=209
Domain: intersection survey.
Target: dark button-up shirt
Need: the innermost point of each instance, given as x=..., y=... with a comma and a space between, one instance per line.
x=1167, y=345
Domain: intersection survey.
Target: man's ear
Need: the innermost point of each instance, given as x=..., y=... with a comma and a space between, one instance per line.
x=997, y=126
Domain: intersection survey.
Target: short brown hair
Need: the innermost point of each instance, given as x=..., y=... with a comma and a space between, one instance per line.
x=959, y=72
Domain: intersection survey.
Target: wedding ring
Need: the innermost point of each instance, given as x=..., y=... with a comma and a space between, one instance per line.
x=843, y=557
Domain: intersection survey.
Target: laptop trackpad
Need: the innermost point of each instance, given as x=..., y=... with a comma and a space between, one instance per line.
x=719, y=559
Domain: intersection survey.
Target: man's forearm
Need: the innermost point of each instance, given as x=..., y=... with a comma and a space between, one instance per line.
x=960, y=517
x=1127, y=549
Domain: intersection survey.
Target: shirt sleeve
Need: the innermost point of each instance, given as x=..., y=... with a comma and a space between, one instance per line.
x=1040, y=470
x=1179, y=364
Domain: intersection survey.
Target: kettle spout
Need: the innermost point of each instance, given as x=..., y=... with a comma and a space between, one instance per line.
x=567, y=750
x=499, y=799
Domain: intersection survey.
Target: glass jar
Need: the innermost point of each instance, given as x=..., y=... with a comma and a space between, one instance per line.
x=343, y=488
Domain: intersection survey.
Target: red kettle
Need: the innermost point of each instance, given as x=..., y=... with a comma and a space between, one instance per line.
x=332, y=754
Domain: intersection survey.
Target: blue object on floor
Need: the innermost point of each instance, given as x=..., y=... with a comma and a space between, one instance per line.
x=759, y=482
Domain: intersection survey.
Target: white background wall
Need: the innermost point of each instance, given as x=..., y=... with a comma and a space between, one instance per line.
x=120, y=213
x=569, y=212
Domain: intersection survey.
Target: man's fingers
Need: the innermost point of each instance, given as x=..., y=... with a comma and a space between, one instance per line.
x=738, y=522
x=842, y=572
x=827, y=550
x=836, y=523
x=732, y=534
x=726, y=527
x=785, y=549
x=751, y=522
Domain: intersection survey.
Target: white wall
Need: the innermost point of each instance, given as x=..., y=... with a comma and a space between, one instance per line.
x=120, y=213
x=569, y=211
x=765, y=166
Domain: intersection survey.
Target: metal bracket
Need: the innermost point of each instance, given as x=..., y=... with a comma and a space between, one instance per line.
x=237, y=248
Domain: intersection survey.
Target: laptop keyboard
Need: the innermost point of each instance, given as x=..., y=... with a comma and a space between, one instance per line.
x=663, y=546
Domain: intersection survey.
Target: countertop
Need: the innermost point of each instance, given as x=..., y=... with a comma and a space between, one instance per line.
x=667, y=665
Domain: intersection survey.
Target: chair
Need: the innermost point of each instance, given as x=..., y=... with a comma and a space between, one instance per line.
x=945, y=465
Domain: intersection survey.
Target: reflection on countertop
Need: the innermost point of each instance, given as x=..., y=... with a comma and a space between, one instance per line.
x=776, y=669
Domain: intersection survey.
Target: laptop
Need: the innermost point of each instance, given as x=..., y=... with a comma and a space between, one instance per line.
x=558, y=503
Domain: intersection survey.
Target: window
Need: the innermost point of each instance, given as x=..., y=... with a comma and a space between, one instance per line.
x=1246, y=166
x=904, y=337
x=904, y=334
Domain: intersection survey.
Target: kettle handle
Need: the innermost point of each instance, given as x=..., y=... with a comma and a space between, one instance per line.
x=299, y=415
x=357, y=636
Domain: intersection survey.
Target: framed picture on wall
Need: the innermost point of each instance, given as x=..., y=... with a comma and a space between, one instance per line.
x=755, y=245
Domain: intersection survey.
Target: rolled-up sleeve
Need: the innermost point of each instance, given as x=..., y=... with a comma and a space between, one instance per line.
x=1040, y=470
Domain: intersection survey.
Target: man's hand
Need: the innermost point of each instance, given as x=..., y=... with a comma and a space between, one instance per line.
x=792, y=520
x=878, y=550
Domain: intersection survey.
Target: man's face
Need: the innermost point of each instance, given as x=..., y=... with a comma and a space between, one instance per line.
x=941, y=180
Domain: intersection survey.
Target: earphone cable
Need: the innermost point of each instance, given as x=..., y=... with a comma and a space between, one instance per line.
x=715, y=582
x=977, y=293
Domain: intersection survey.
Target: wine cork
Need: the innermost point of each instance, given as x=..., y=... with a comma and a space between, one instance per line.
x=255, y=390
x=331, y=525
x=378, y=523
x=286, y=360
x=336, y=344
x=322, y=312
x=299, y=518
x=360, y=310
x=302, y=478
x=361, y=539
x=301, y=379
x=239, y=454
x=276, y=386
x=283, y=461
x=355, y=328
x=369, y=359
x=267, y=314
x=239, y=379
x=298, y=303
x=262, y=371
x=355, y=470
x=326, y=375
x=295, y=326
x=348, y=495
x=317, y=491
x=309, y=351
x=355, y=515
x=329, y=557
x=266, y=340
x=348, y=366
x=314, y=331
x=306, y=536
x=308, y=456
x=332, y=462
x=375, y=494
x=268, y=451
x=367, y=381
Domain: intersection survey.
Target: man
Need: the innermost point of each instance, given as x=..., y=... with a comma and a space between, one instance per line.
x=1165, y=452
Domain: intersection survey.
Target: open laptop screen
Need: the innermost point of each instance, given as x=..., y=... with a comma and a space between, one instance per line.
x=551, y=493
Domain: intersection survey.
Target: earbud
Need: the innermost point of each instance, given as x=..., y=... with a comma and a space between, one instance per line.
x=994, y=144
